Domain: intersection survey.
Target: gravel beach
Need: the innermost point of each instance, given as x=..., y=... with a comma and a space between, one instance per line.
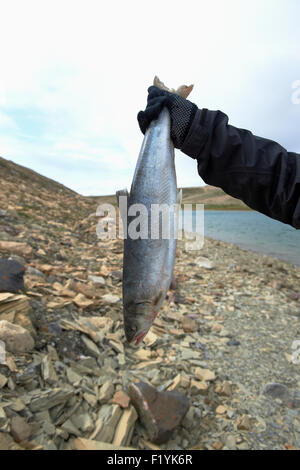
x=227, y=338
x=224, y=338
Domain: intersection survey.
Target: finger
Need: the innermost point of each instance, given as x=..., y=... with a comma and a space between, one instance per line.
x=152, y=112
x=154, y=91
x=158, y=101
x=155, y=108
x=143, y=121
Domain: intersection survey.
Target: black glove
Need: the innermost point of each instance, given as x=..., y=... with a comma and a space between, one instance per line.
x=181, y=110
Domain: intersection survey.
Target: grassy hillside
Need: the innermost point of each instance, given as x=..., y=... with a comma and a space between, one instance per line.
x=213, y=198
x=31, y=190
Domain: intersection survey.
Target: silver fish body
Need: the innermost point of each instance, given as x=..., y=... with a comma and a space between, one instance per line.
x=148, y=263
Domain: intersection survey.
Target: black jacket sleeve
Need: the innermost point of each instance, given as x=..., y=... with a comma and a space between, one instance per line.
x=258, y=171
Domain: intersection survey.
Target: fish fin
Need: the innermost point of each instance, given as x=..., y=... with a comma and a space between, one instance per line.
x=183, y=90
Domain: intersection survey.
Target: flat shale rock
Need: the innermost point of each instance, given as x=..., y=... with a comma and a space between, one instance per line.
x=81, y=301
x=7, y=442
x=125, y=427
x=106, y=423
x=48, y=371
x=13, y=304
x=159, y=412
x=90, y=444
x=49, y=398
x=106, y=391
x=19, y=248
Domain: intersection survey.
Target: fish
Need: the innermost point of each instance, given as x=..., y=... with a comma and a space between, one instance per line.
x=148, y=260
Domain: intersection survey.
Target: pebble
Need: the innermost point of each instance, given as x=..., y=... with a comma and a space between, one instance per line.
x=35, y=272
x=48, y=371
x=83, y=421
x=221, y=409
x=276, y=390
x=121, y=398
x=90, y=346
x=198, y=387
x=218, y=445
x=230, y=442
x=244, y=423
x=97, y=280
x=3, y=380
x=106, y=391
x=205, y=374
x=233, y=342
x=205, y=263
x=189, y=325
x=110, y=299
x=20, y=429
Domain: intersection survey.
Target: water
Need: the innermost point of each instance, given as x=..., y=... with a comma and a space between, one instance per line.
x=251, y=230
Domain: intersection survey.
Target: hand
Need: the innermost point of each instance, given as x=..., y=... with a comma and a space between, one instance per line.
x=182, y=112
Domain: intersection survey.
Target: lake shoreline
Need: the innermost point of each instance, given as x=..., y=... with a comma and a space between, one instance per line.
x=256, y=251
x=249, y=230
x=217, y=208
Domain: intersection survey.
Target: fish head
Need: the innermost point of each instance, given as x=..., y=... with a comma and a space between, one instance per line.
x=138, y=319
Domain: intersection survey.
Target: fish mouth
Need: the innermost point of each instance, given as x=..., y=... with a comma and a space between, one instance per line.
x=138, y=338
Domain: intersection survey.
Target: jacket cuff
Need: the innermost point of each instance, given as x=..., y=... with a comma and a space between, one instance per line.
x=196, y=136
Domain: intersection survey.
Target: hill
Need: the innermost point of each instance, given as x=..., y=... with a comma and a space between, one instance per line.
x=38, y=198
x=213, y=198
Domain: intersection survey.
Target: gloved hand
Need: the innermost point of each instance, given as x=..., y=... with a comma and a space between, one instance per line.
x=182, y=112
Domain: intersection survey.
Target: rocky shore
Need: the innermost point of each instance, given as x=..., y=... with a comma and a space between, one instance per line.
x=225, y=340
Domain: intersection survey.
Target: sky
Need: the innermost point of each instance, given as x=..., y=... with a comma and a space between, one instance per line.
x=74, y=74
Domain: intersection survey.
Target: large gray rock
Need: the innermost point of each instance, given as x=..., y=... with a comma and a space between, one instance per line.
x=159, y=412
x=11, y=275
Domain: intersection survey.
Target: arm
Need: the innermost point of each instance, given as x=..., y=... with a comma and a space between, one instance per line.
x=258, y=171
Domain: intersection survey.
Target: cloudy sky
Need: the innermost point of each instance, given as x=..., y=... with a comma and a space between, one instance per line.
x=74, y=74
